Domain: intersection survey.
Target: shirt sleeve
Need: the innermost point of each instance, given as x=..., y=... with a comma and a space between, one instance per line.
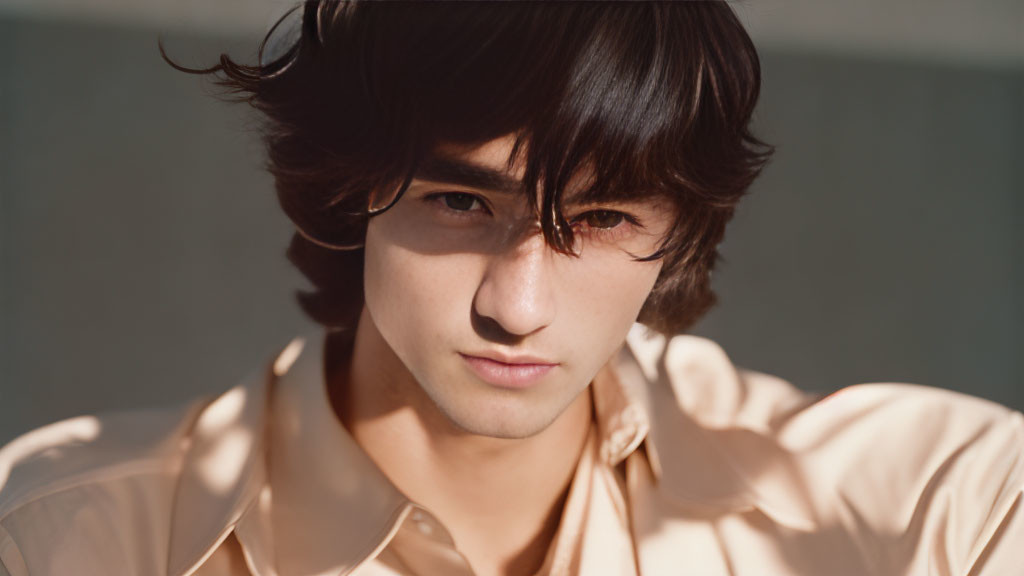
x=1003, y=553
x=993, y=494
x=928, y=481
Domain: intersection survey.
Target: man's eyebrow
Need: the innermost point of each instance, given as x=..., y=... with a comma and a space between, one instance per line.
x=442, y=170
x=461, y=173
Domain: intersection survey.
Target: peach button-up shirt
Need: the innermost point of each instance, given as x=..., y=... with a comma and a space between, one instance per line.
x=694, y=467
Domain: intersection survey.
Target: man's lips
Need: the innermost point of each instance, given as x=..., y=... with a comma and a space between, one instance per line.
x=509, y=372
x=511, y=358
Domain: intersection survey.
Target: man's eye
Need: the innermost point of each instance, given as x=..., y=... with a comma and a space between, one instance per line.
x=459, y=201
x=602, y=218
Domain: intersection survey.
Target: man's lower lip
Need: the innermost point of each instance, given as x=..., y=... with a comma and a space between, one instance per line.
x=507, y=375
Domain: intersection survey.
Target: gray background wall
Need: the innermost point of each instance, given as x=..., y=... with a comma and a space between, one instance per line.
x=142, y=252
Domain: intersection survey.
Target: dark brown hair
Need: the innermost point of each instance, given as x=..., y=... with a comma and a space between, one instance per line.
x=650, y=98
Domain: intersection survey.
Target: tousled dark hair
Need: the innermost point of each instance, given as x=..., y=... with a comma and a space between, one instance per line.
x=647, y=98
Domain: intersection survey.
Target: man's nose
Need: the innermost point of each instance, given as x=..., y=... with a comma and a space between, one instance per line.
x=516, y=290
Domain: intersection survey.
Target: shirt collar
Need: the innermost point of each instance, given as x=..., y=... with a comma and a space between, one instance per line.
x=222, y=471
x=332, y=506
x=677, y=399
x=703, y=448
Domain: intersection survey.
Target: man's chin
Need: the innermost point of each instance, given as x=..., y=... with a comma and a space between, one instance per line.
x=500, y=421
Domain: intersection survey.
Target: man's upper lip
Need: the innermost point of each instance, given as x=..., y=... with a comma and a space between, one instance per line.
x=511, y=359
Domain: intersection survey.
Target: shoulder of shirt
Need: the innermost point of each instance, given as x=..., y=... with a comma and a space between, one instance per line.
x=111, y=476
x=91, y=449
x=915, y=464
x=881, y=458
x=83, y=472
x=719, y=394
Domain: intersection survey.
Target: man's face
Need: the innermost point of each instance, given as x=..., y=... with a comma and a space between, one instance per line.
x=458, y=278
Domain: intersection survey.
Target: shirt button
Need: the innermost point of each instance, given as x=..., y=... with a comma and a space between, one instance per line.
x=422, y=523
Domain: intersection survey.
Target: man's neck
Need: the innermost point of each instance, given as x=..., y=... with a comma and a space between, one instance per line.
x=500, y=498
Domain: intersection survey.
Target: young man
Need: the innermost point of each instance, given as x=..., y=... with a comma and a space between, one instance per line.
x=509, y=210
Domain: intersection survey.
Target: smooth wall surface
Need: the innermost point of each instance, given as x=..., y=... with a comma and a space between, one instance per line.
x=142, y=251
